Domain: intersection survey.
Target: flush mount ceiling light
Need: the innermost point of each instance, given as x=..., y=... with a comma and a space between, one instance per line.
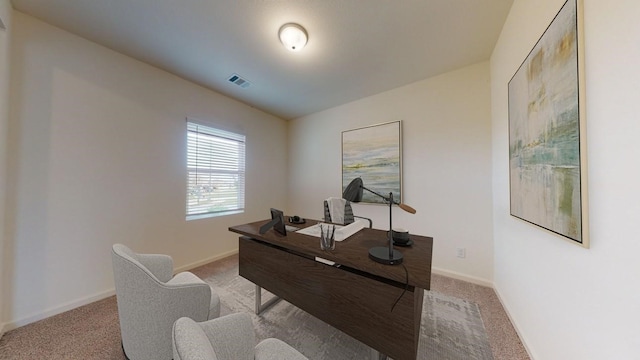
x=293, y=36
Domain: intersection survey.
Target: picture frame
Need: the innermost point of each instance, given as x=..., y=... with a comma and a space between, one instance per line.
x=374, y=153
x=547, y=131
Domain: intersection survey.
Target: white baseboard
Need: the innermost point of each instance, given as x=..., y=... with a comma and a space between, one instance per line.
x=463, y=277
x=205, y=261
x=514, y=323
x=58, y=310
x=93, y=298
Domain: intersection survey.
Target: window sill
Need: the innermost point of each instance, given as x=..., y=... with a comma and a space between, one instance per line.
x=211, y=215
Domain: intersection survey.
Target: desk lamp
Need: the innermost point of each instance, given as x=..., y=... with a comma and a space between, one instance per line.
x=381, y=254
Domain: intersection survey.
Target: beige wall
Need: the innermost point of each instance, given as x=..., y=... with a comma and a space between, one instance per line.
x=89, y=127
x=566, y=301
x=6, y=15
x=97, y=144
x=446, y=160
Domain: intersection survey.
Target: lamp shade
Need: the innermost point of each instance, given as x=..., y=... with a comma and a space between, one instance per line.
x=353, y=191
x=293, y=36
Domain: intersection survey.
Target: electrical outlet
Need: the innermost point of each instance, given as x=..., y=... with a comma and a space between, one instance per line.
x=461, y=252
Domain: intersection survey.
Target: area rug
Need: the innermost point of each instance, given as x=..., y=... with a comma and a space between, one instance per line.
x=451, y=328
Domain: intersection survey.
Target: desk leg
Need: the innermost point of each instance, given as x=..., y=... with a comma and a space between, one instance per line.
x=260, y=307
x=376, y=355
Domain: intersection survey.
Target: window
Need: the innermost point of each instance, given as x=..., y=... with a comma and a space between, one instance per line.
x=215, y=167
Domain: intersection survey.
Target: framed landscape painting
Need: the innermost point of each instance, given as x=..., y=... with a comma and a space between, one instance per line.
x=547, y=150
x=374, y=153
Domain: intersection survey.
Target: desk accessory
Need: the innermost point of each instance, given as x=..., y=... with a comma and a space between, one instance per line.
x=277, y=223
x=327, y=237
x=381, y=254
x=401, y=237
x=403, y=244
x=297, y=220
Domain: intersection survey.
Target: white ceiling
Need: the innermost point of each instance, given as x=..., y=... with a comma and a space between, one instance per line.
x=356, y=48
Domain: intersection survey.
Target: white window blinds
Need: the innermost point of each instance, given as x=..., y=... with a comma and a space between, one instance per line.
x=215, y=167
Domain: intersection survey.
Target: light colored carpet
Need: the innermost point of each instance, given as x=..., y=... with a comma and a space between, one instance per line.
x=92, y=332
x=451, y=328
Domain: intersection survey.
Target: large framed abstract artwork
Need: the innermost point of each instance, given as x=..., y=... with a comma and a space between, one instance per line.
x=547, y=149
x=374, y=153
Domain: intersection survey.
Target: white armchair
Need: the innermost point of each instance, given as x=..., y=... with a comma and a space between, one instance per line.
x=150, y=299
x=229, y=337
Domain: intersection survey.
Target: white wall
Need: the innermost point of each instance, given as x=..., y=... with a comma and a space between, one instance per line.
x=5, y=35
x=97, y=144
x=568, y=302
x=446, y=159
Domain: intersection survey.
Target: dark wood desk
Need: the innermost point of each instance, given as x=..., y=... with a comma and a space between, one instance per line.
x=355, y=297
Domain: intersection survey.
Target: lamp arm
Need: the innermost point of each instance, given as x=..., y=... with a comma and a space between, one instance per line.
x=402, y=206
x=373, y=192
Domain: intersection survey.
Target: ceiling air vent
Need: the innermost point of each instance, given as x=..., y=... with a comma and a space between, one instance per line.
x=238, y=80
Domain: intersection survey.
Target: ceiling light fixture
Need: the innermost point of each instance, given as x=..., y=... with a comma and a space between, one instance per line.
x=293, y=36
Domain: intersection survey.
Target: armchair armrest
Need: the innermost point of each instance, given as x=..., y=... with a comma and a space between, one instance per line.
x=192, y=295
x=232, y=336
x=269, y=349
x=189, y=341
x=161, y=266
x=229, y=337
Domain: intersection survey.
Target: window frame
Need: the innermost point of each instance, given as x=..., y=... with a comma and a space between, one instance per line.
x=203, y=161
